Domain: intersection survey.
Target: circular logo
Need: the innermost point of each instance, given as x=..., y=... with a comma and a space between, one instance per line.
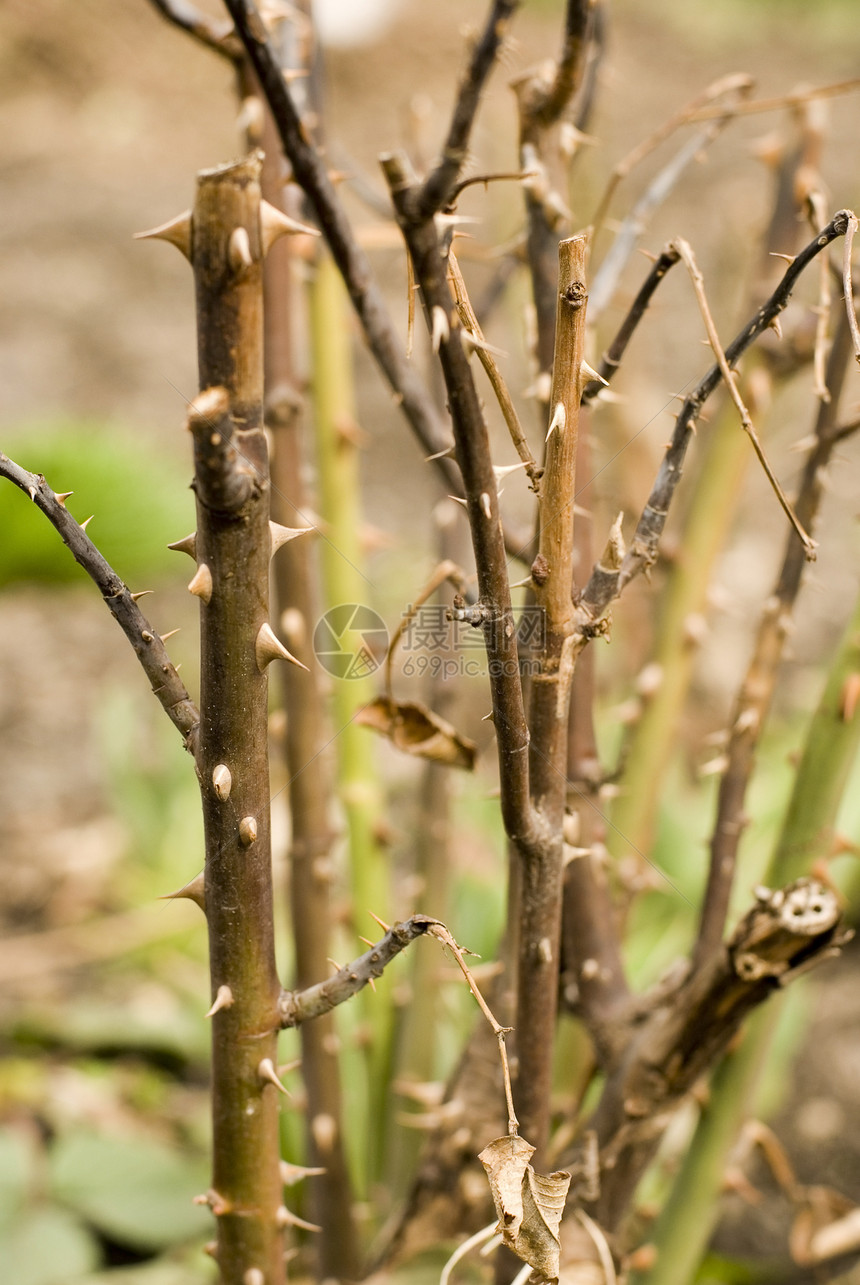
x=350, y=641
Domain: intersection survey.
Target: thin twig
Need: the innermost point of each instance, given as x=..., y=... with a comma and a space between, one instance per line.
x=848, y=285
x=150, y=650
x=817, y=209
x=296, y=1007
x=686, y=253
x=611, y=359
x=603, y=587
x=214, y=35
x=734, y=84
x=437, y=189
x=757, y=105
x=494, y=374
x=517, y=176
x=439, y=931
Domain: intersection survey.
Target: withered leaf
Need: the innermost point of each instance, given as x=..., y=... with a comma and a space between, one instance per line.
x=417, y=730
x=529, y=1205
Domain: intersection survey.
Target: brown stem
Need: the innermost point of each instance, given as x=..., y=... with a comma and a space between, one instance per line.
x=542, y=867
x=756, y=692
x=233, y=542
x=473, y=456
x=438, y=188
x=311, y=836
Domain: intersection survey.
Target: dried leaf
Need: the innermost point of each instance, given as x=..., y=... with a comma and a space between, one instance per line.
x=529, y=1205
x=417, y=730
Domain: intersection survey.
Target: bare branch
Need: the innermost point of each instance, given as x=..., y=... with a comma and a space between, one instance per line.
x=546, y=107
x=611, y=359
x=494, y=374
x=296, y=1007
x=848, y=286
x=214, y=35
x=149, y=648
x=438, y=188
x=796, y=99
x=686, y=253
x=473, y=456
x=604, y=586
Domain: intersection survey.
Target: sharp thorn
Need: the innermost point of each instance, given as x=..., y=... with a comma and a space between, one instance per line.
x=223, y=999
x=275, y=224
x=86, y=523
x=164, y=637
x=177, y=231
x=193, y=891
x=268, y=648
x=286, y=1219
x=239, y=250
x=201, y=583
x=366, y=941
x=188, y=544
x=62, y=496
x=589, y=373
x=135, y=597
x=441, y=328
x=283, y=534
x=266, y=1071
x=222, y=782
x=383, y=925
x=291, y=1174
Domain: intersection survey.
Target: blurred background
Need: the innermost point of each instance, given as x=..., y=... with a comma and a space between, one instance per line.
x=106, y=115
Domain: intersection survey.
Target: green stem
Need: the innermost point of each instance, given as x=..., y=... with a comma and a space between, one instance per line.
x=357, y=783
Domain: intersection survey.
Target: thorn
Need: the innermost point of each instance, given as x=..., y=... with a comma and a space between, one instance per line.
x=61, y=497
x=239, y=250
x=491, y=718
x=588, y=372
x=502, y=470
x=775, y=326
x=201, y=583
x=291, y=1174
x=274, y=224
x=177, y=231
x=188, y=544
x=449, y=453
x=285, y=1219
x=211, y=1246
x=268, y=648
x=223, y=999
x=248, y=831
x=253, y=1276
x=789, y=258
x=559, y=419
x=366, y=941
x=520, y=584
x=372, y=984
x=383, y=925
x=222, y=781
x=458, y=499
x=486, y=505
x=471, y=341
x=135, y=597
x=266, y=1071
x=193, y=891
x=84, y=524
x=283, y=534
x=335, y=965
x=441, y=330
x=164, y=637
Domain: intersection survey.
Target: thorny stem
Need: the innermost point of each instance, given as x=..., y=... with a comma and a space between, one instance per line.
x=756, y=692
x=167, y=686
x=473, y=455
x=606, y=585
x=439, y=186
x=233, y=541
x=692, y=267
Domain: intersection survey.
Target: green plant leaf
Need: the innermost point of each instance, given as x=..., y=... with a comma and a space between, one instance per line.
x=47, y=1247
x=136, y=1191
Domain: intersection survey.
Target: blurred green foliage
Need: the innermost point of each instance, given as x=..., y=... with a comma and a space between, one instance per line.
x=139, y=505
